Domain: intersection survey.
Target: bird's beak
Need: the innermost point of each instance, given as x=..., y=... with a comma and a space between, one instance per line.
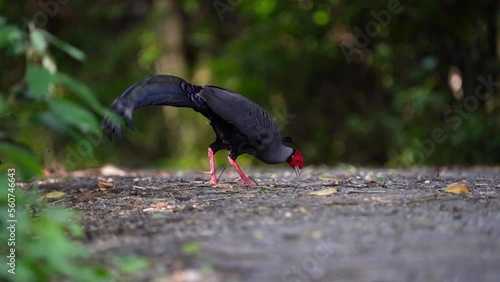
x=297, y=170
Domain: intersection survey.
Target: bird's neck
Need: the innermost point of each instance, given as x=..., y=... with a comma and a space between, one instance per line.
x=275, y=154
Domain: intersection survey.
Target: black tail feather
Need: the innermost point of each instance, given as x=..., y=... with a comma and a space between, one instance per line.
x=162, y=90
x=109, y=127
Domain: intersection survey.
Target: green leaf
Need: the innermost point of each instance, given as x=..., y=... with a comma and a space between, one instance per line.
x=75, y=115
x=191, y=248
x=130, y=264
x=83, y=92
x=39, y=80
x=52, y=121
x=11, y=36
x=265, y=8
x=5, y=35
x=21, y=157
x=38, y=41
x=77, y=54
x=321, y=17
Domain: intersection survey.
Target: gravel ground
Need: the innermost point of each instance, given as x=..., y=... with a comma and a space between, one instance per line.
x=379, y=225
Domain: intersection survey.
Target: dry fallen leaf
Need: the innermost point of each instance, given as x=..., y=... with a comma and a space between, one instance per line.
x=105, y=185
x=259, y=235
x=326, y=176
x=457, y=188
x=316, y=235
x=53, y=196
x=325, y=192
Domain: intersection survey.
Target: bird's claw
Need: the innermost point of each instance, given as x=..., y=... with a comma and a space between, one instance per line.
x=246, y=181
x=213, y=181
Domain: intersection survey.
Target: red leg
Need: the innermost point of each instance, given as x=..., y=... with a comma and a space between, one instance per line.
x=213, y=177
x=240, y=172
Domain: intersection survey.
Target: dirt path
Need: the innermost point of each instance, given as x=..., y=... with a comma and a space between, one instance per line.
x=381, y=225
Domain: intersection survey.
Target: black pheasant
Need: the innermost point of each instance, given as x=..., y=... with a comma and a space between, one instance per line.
x=241, y=126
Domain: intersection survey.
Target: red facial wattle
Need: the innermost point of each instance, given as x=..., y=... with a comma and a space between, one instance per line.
x=297, y=160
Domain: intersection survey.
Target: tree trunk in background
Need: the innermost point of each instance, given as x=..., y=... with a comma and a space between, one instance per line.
x=173, y=60
x=496, y=34
x=182, y=124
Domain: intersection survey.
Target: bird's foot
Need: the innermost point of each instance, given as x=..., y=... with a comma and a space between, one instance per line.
x=212, y=182
x=246, y=181
x=240, y=172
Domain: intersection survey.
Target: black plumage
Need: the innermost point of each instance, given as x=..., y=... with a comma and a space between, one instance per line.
x=241, y=126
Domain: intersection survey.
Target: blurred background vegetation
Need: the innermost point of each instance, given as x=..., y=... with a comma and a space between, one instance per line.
x=354, y=82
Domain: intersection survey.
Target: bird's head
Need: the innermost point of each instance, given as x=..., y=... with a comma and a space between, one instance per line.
x=295, y=159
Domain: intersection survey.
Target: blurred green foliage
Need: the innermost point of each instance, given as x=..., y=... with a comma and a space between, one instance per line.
x=47, y=247
x=44, y=249
x=42, y=106
x=363, y=82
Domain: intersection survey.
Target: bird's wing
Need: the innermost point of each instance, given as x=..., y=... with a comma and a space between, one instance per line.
x=243, y=114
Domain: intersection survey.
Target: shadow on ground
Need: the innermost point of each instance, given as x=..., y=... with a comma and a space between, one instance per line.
x=381, y=225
